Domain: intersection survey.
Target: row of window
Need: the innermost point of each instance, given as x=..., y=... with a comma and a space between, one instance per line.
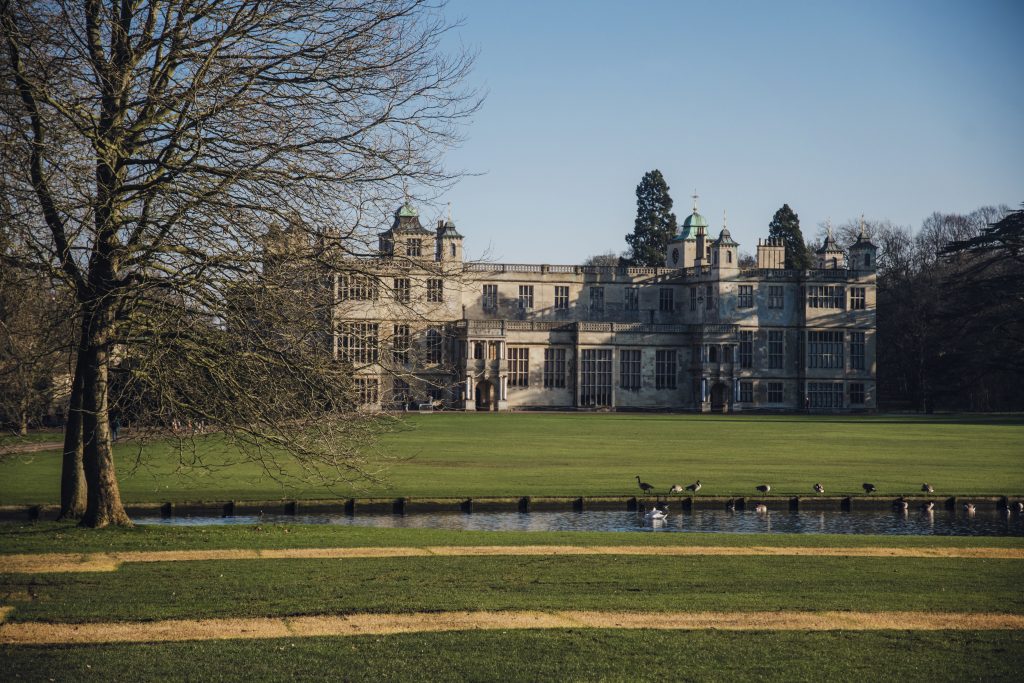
x=819, y=394
x=595, y=371
x=359, y=342
x=366, y=288
x=414, y=247
x=824, y=350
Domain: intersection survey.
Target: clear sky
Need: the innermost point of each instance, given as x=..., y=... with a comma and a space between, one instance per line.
x=892, y=109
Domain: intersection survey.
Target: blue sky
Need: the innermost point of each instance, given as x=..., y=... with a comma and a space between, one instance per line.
x=891, y=109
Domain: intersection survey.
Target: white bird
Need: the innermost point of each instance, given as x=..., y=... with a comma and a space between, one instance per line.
x=819, y=488
x=1020, y=506
x=656, y=515
x=760, y=508
x=969, y=508
x=694, y=487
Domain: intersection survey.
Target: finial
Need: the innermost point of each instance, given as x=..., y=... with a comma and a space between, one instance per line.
x=725, y=221
x=695, y=195
x=861, y=225
x=449, y=212
x=828, y=226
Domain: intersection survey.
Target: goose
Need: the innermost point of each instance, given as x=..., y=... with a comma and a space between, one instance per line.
x=969, y=508
x=694, y=486
x=928, y=507
x=869, y=488
x=644, y=486
x=760, y=508
x=818, y=488
x=676, y=488
x=927, y=488
x=764, y=488
x=1019, y=506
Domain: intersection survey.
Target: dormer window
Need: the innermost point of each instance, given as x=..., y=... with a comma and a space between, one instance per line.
x=414, y=247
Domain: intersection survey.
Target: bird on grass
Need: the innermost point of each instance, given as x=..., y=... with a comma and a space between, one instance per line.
x=694, y=486
x=818, y=488
x=760, y=508
x=927, y=488
x=676, y=488
x=764, y=488
x=869, y=488
x=644, y=486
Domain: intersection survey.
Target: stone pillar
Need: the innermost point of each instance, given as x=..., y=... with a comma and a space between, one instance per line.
x=470, y=402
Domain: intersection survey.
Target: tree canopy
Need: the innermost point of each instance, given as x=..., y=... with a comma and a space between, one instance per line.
x=785, y=225
x=655, y=223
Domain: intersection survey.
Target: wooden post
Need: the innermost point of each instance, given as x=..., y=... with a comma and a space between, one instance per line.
x=794, y=504
x=524, y=504
x=291, y=507
x=577, y=505
x=167, y=510
x=467, y=505
x=350, y=507
x=229, y=509
x=398, y=507
x=846, y=504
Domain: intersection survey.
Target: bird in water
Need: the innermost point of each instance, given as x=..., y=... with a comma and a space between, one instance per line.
x=869, y=488
x=694, y=486
x=761, y=508
x=900, y=505
x=656, y=515
x=1019, y=507
x=644, y=486
x=818, y=488
x=676, y=488
x=969, y=508
x=928, y=507
x=764, y=488
x=927, y=488
x=730, y=505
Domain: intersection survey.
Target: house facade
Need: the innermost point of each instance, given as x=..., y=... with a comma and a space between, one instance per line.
x=422, y=326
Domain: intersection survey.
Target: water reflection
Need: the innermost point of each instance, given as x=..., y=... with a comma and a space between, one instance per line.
x=939, y=522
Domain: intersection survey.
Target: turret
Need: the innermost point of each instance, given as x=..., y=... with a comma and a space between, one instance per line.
x=830, y=256
x=696, y=225
x=449, y=241
x=725, y=250
x=771, y=254
x=863, y=252
x=407, y=238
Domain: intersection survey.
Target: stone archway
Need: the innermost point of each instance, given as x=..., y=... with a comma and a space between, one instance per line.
x=719, y=397
x=485, y=396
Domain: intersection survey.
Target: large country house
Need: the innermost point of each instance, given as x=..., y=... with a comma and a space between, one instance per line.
x=422, y=326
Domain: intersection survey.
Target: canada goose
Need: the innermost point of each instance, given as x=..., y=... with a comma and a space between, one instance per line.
x=927, y=488
x=760, y=508
x=676, y=488
x=644, y=486
x=969, y=508
x=818, y=488
x=869, y=488
x=764, y=488
x=694, y=486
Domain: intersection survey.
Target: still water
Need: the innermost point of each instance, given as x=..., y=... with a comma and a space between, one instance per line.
x=939, y=523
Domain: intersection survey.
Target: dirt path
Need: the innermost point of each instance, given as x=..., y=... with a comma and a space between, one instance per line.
x=106, y=562
x=31, y=447
x=365, y=624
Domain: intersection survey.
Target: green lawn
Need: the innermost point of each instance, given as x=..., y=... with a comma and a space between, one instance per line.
x=598, y=454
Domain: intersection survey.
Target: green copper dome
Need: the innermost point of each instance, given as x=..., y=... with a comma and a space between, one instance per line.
x=408, y=210
x=694, y=220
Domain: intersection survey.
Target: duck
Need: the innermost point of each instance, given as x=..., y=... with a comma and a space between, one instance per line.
x=869, y=488
x=764, y=488
x=676, y=488
x=927, y=488
x=818, y=488
x=694, y=486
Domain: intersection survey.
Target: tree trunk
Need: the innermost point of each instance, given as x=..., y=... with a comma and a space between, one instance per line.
x=103, y=507
x=23, y=422
x=72, y=476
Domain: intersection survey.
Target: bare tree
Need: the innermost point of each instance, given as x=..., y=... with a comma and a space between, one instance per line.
x=152, y=147
x=609, y=258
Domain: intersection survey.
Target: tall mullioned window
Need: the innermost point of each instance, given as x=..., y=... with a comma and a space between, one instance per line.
x=825, y=394
x=629, y=369
x=693, y=298
x=666, y=300
x=597, y=299
x=526, y=297
x=435, y=345
x=554, y=368
x=490, y=297
x=856, y=350
x=746, y=349
x=401, y=290
x=367, y=390
x=775, y=392
x=400, y=341
x=632, y=302
x=709, y=301
x=357, y=287
x=826, y=296
x=665, y=369
x=746, y=297
x=776, y=349
x=435, y=290
x=518, y=366
x=596, y=377
x=414, y=247
x=360, y=342
x=825, y=349
x=746, y=392
x=776, y=298
x=858, y=298
x=857, y=393
x=561, y=297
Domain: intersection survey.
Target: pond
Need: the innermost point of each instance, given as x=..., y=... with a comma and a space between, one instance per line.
x=940, y=522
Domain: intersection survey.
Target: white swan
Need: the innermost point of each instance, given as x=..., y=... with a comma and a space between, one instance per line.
x=656, y=515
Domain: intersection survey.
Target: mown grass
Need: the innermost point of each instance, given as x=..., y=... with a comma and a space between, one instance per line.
x=65, y=537
x=553, y=655
x=294, y=587
x=591, y=454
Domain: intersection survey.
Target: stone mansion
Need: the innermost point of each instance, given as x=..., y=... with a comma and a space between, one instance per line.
x=419, y=325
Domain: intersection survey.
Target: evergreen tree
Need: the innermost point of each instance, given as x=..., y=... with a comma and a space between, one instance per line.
x=655, y=223
x=785, y=225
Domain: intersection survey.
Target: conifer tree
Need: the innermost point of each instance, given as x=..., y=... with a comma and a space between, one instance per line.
x=785, y=225
x=655, y=223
